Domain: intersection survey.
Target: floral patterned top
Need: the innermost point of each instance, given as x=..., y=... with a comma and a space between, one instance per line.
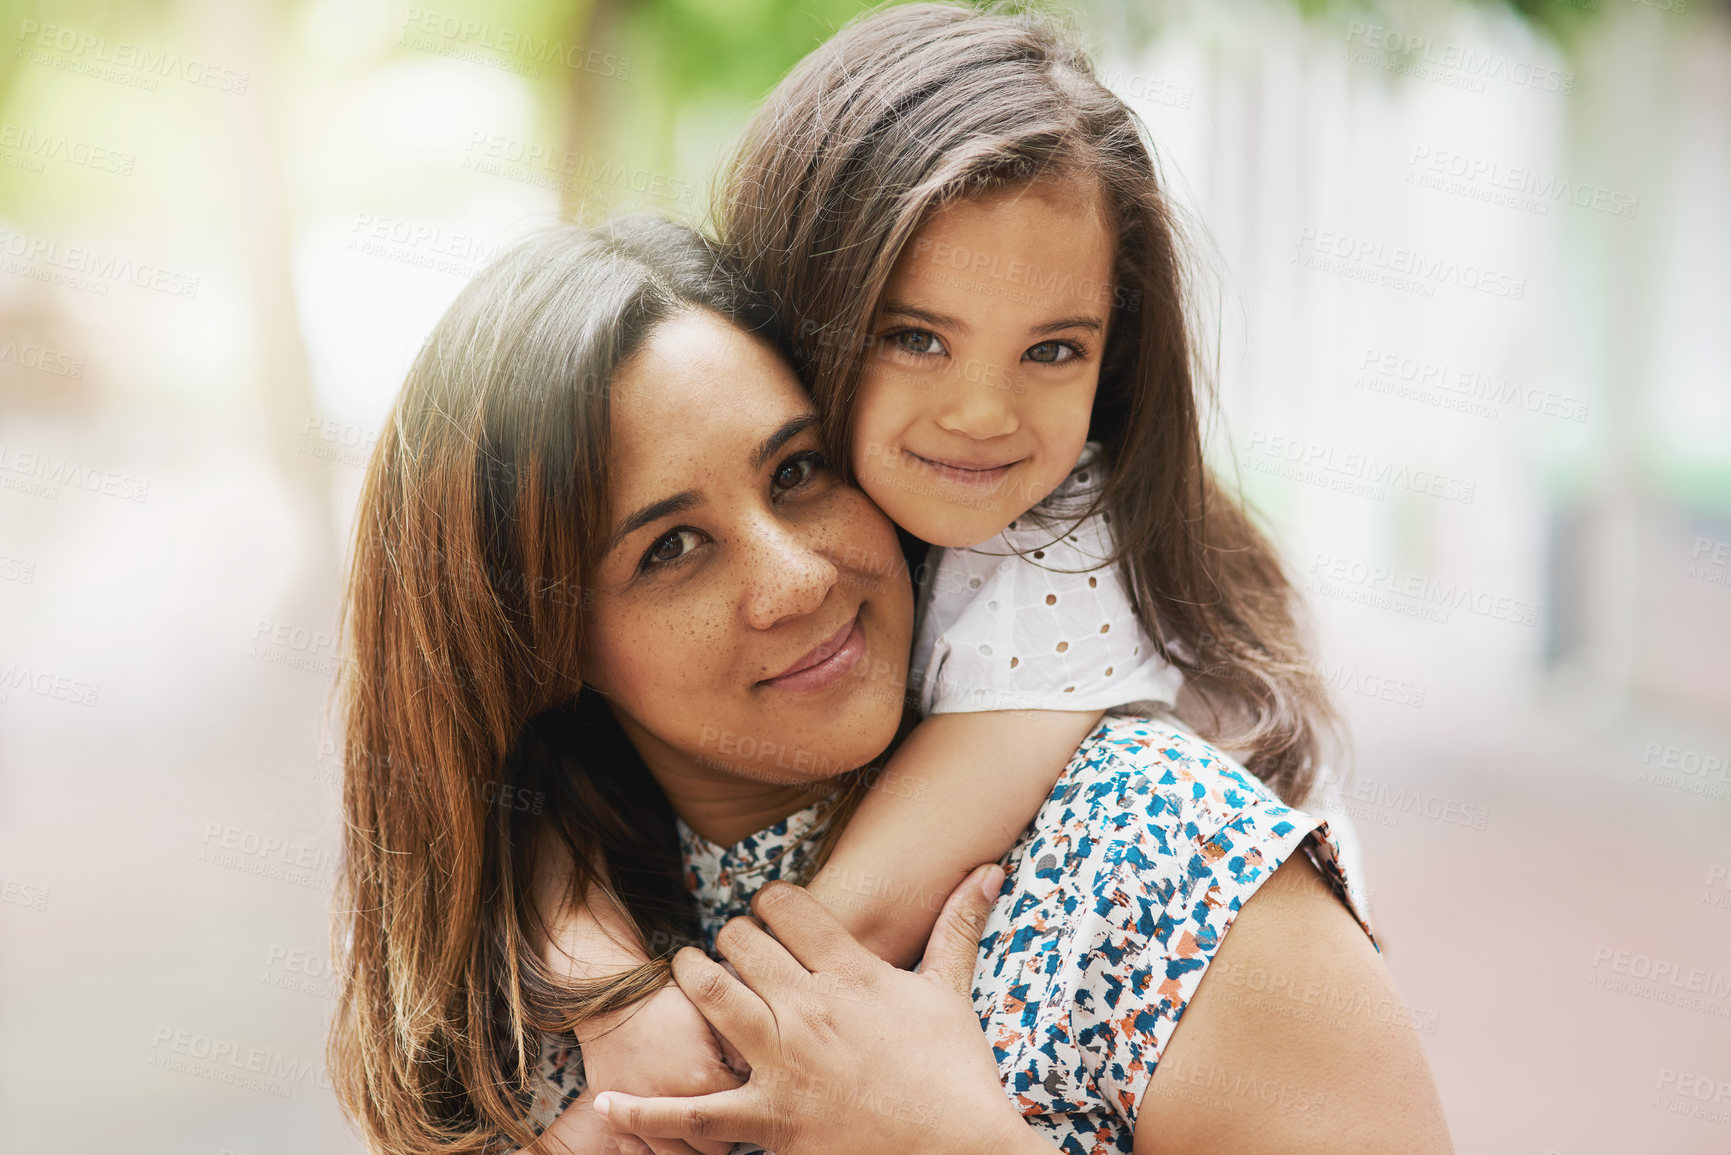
x=1115, y=900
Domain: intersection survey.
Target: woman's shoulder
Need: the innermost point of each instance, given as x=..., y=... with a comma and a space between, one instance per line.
x=1118, y=896
x=1187, y=787
x=1164, y=809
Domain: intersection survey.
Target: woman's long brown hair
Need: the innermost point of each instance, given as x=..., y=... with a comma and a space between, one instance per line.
x=471, y=750
x=911, y=108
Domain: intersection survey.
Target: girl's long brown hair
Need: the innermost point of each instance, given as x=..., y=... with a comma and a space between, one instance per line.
x=471, y=750
x=911, y=108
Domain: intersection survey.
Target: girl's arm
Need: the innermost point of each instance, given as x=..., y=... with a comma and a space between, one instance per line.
x=592, y=941
x=958, y=791
x=658, y=1045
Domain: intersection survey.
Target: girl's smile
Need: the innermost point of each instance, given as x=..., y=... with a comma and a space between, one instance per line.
x=965, y=473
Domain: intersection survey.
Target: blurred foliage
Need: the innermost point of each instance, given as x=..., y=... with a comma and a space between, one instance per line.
x=701, y=49
x=138, y=18
x=733, y=46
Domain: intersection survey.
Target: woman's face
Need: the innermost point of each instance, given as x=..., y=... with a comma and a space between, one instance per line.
x=751, y=618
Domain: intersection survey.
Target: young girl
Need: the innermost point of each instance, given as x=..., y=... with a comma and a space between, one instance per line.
x=978, y=273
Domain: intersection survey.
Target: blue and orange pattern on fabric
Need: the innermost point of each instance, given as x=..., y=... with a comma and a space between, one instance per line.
x=1115, y=900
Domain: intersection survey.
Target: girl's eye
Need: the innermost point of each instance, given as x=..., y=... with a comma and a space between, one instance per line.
x=918, y=341
x=797, y=470
x=1052, y=352
x=670, y=547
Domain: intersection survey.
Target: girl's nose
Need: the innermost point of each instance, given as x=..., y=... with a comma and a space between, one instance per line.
x=978, y=406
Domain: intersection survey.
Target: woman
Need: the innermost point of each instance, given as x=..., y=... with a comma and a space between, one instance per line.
x=595, y=538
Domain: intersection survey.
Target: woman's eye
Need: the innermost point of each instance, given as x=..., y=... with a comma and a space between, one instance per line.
x=1052, y=352
x=671, y=547
x=918, y=341
x=796, y=471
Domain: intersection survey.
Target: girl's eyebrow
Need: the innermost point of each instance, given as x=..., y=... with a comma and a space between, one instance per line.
x=1092, y=324
x=957, y=325
x=926, y=317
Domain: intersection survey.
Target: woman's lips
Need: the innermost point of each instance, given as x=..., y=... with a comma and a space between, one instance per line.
x=826, y=664
x=963, y=473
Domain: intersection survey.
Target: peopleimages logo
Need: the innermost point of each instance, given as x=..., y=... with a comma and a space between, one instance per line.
x=1463, y=389
x=1375, y=475
x=424, y=30
x=34, y=147
x=1689, y=771
x=1433, y=59
x=102, y=56
x=1512, y=186
x=1418, y=595
x=90, y=269
x=1413, y=270
x=1661, y=972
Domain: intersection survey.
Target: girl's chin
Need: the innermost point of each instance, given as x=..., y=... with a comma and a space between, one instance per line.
x=963, y=531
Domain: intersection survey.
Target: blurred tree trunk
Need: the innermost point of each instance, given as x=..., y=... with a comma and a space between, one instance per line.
x=244, y=33
x=1615, y=124
x=594, y=27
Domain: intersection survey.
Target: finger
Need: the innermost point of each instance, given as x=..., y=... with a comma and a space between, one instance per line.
x=727, y=1115
x=735, y=1061
x=668, y=1146
x=760, y=962
x=730, y=1007
x=811, y=933
x=955, y=942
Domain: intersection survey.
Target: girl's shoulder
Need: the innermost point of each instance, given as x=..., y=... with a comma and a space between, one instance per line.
x=1038, y=617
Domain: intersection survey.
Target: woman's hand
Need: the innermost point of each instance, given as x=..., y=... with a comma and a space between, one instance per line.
x=847, y=1053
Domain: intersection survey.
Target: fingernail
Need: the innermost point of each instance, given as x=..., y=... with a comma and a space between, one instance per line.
x=603, y=1104
x=992, y=882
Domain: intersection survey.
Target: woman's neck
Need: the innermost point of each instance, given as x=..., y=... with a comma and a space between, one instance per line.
x=720, y=807
x=725, y=812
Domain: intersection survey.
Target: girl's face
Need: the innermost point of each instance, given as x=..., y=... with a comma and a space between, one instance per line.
x=977, y=390
x=752, y=616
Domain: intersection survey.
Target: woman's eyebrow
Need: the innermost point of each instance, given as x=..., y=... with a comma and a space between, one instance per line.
x=691, y=499
x=790, y=429
x=651, y=513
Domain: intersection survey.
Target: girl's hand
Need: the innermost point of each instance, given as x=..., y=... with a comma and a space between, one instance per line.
x=659, y=1046
x=847, y=1053
x=578, y=1131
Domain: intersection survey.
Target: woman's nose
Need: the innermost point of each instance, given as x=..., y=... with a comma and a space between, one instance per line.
x=788, y=576
x=978, y=404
